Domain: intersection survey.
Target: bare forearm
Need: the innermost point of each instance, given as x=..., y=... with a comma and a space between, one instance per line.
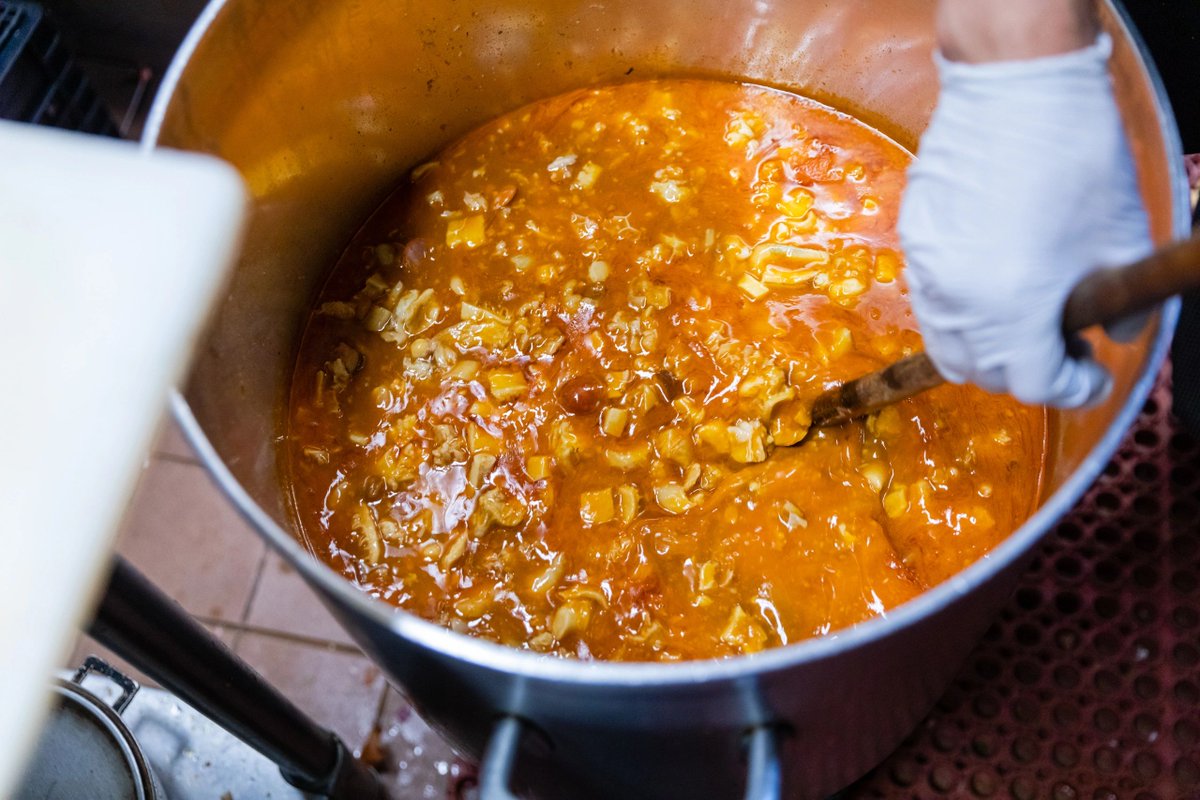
x=976, y=31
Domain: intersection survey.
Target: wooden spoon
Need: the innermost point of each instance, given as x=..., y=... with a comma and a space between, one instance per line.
x=1106, y=295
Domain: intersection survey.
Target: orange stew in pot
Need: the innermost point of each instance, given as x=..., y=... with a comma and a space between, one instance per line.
x=548, y=394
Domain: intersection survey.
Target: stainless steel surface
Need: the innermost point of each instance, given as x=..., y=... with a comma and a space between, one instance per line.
x=194, y=758
x=85, y=749
x=323, y=105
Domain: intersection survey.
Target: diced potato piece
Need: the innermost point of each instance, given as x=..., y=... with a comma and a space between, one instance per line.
x=376, y=285
x=833, y=343
x=464, y=370
x=506, y=384
x=887, y=266
x=470, y=311
x=598, y=271
x=644, y=397
x=466, y=232
x=615, y=383
x=596, y=508
x=735, y=247
x=847, y=288
x=479, y=440
x=628, y=458
x=752, y=286
x=673, y=444
x=672, y=498
x=538, y=467
x=587, y=175
x=628, y=500
x=743, y=633
x=886, y=424
x=747, y=442
x=877, y=474
x=484, y=409
x=377, y=318
x=895, y=502
x=714, y=434
x=613, y=421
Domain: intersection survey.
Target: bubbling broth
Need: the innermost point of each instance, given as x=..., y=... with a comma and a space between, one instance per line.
x=546, y=395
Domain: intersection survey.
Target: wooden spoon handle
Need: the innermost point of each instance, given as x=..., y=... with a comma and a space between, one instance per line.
x=1106, y=295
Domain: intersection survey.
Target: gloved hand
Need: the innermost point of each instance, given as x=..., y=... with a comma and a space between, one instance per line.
x=1024, y=183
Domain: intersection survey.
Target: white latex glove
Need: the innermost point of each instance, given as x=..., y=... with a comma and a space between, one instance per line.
x=1024, y=183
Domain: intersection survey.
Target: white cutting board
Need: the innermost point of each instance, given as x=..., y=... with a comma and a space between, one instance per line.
x=109, y=260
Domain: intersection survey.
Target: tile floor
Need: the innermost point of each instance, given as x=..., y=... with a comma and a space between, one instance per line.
x=182, y=534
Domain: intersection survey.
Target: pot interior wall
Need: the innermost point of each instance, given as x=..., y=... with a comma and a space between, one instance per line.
x=324, y=105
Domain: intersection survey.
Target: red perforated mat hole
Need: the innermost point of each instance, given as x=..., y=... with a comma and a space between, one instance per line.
x=1088, y=685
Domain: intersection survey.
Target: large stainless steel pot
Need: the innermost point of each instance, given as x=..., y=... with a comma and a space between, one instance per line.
x=323, y=104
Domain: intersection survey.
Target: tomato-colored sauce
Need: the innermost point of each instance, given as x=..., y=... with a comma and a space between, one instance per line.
x=546, y=393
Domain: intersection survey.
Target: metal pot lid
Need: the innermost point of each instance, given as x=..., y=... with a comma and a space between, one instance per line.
x=84, y=752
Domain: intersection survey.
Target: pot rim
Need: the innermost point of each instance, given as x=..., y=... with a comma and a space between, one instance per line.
x=680, y=675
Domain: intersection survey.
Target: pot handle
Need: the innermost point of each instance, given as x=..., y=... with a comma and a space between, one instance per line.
x=764, y=775
x=495, y=772
x=129, y=687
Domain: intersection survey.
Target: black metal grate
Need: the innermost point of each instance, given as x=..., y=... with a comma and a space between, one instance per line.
x=39, y=80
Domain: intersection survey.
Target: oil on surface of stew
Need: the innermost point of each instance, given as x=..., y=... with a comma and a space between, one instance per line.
x=545, y=395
